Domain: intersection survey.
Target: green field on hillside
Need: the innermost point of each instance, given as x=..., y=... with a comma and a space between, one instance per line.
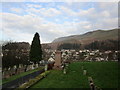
x=104, y=74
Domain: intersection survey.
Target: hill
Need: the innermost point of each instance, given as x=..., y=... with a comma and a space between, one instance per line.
x=84, y=39
x=90, y=36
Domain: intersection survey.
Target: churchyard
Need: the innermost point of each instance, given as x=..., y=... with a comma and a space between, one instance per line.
x=104, y=75
x=70, y=71
x=21, y=68
x=71, y=74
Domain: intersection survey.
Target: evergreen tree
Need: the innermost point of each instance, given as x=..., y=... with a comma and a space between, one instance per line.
x=36, y=51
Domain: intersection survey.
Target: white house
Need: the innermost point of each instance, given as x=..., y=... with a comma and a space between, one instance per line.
x=51, y=59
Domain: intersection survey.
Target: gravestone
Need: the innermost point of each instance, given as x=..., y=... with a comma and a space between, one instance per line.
x=46, y=67
x=37, y=65
x=91, y=83
x=32, y=66
x=64, y=71
x=58, y=61
x=28, y=68
x=84, y=72
x=6, y=74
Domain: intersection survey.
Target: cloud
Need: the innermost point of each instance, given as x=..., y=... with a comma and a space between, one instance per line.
x=33, y=6
x=17, y=10
x=29, y=24
x=50, y=12
x=46, y=12
x=111, y=7
x=108, y=5
x=26, y=22
x=67, y=11
x=54, y=22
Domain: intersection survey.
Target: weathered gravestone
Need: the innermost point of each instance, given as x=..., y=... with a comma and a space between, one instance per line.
x=32, y=66
x=84, y=72
x=6, y=74
x=58, y=61
x=92, y=86
x=64, y=71
x=28, y=68
x=46, y=67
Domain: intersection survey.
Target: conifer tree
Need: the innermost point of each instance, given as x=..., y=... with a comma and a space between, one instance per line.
x=36, y=51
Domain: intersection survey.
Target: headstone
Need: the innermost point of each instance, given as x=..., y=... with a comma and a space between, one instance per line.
x=36, y=65
x=64, y=71
x=6, y=74
x=32, y=66
x=92, y=86
x=84, y=72
x=58, y=60
x=15, y=67
x=46, y=67
x=18, y=71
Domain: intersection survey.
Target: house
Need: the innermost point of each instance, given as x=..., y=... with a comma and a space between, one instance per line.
x=51, y=59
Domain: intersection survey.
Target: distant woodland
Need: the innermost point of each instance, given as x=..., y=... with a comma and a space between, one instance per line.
x=100, y=45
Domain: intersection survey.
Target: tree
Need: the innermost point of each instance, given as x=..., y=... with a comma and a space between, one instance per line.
x=14, y=54
x=36, y=51
x=103, y=45
x=69, y=46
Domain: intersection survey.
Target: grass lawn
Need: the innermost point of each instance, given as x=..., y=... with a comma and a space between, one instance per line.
x=104, y=74
x=19, y=75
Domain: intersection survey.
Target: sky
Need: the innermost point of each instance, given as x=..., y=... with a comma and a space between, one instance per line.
x=20, y=20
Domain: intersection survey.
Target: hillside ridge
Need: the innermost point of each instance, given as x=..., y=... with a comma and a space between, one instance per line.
x=98, y=34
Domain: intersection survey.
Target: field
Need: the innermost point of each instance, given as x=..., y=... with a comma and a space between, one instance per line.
x=104, y=74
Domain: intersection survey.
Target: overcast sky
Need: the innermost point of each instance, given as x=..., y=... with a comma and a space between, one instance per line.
x=51, y=20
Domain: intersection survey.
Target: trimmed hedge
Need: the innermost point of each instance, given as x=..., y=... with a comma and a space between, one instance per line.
x=33, y=81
